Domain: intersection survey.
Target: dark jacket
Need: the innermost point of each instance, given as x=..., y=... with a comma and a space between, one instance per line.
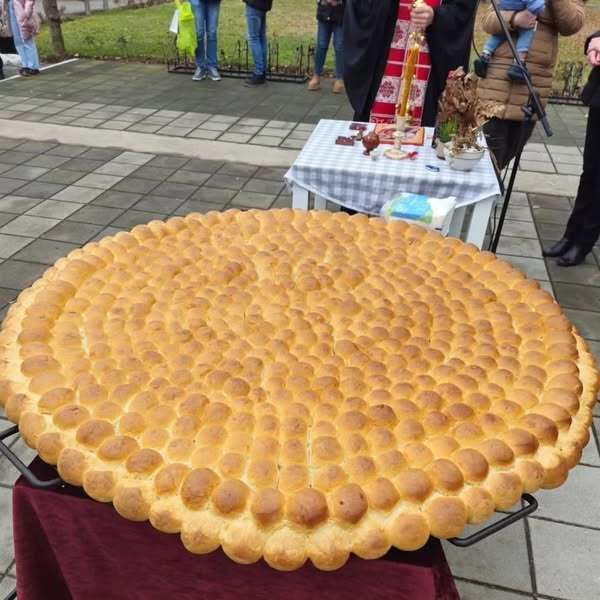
x=330, y=11
x=591, y=92
x=265, y=5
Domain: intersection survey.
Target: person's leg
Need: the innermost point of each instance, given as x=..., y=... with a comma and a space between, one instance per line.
x=200, y=7
x=496, y=135
x=263, y=40
x=26, y=49
x=524, y=41
x=16, y=31
x=480, y=66
x=338, y=44
x=212, y=32
x=493, y=43
x=255, y=25
x=505, y=138
x=324, y=32
x=583, y=227
x=31, y=51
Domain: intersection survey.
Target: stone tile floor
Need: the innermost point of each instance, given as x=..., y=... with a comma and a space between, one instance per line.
x=108, y=89
x=55, y=197
x=146, y=99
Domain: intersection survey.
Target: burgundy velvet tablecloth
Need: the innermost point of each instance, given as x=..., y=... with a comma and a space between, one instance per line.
x=68, y=546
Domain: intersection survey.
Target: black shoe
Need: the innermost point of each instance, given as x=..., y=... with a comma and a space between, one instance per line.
x=1, y=73
x=516, y=73
x=558, y=249
x=575, y=256
x=255, y=81
x=481, y=65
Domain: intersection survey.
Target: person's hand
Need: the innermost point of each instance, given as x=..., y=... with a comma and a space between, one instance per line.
x=524, y=20
x=593, y=53
x=422, y=16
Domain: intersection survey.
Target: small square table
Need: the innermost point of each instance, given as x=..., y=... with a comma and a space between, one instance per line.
x=345, y=176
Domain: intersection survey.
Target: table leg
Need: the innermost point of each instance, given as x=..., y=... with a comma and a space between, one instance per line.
x=320, y=203
x=299, y=197
x=479, y=221
x=456, y=225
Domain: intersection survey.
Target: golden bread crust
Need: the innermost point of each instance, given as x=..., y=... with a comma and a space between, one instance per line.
x=296, y=385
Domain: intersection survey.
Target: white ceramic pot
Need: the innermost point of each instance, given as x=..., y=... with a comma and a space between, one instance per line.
x=465, y=160
x=439, y=149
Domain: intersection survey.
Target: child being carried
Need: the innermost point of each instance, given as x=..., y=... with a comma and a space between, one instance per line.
x=523, y=43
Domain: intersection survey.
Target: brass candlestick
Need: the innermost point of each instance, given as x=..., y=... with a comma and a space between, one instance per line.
x=396, y=153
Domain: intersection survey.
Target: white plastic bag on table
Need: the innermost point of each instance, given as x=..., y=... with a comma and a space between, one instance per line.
x=174, y=26
x=435, y=213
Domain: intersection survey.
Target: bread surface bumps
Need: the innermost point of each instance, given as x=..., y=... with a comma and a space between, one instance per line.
x=296, y=385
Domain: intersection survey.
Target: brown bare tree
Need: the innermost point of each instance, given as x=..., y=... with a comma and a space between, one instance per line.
x=54, y=24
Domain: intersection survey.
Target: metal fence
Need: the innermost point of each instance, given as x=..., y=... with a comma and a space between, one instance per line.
x=571, y=78
x=239, y=63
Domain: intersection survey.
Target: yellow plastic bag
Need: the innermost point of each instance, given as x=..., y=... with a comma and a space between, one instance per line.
x=187, y=40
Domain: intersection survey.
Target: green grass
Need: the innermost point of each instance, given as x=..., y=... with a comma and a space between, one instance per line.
x=142, y=33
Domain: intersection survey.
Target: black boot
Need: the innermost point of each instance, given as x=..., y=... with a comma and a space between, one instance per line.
x=575, y=256
x=558, y=249
x=516, y=73
x=1, y=68
x=480, y=66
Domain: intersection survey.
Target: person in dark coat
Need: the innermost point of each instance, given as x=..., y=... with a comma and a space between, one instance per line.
x=583, y=228
x=375, y=29
x=256, y=20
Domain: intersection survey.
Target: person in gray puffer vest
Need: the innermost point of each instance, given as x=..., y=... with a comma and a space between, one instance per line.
x=330, y=16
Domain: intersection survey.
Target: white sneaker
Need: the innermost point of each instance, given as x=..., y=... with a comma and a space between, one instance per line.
x=214, y=74
x=199, y=75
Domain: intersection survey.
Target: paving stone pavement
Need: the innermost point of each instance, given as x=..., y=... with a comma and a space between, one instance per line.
x=146, y=99
x=55, y=198
x=59, y=197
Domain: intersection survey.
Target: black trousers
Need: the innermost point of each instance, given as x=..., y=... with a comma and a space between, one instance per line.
x=505, y=137
x=583, y=227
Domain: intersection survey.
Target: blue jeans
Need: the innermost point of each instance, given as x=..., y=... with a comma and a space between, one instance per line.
x=257, y=37
x=206, y=14
x=324, y=33
x=26, y=48
x=523, y=44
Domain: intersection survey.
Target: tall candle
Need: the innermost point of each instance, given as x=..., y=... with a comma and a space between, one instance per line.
x=408, y=75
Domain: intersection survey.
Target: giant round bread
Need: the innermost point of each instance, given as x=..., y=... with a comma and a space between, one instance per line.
x=296, y=385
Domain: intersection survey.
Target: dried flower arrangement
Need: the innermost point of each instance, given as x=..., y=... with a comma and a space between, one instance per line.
x=462, y=111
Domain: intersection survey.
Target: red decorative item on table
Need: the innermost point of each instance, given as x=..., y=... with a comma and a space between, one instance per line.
x=370, y=142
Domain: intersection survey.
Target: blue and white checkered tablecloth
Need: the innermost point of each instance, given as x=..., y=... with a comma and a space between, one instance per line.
x=343, y=175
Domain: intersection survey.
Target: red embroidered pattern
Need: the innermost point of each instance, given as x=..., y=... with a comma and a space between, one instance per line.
x=384, y=107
